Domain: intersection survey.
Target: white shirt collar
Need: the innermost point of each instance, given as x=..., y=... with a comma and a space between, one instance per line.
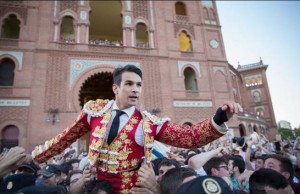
x=129, y=111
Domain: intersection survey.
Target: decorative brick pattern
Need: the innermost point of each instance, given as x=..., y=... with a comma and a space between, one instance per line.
x=141, y=8
x=68, y=4
x=56, y=83
x=19, y=10
x=19, y=114
x=151, y=77
x=179, y=26
x=195, y=114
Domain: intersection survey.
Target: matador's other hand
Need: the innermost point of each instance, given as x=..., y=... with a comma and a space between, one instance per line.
x=231, y=108
x=226, y=111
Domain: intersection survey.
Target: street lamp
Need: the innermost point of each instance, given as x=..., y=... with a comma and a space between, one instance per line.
x=53, y=115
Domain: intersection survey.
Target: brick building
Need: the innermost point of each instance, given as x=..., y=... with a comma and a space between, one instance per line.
x=56, y=55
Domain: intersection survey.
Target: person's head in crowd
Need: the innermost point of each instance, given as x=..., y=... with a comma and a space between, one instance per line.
x=192, y=151
x=74, y=164
x=236, y=165
x=30, y=168
x=69, y=155
x=51, y=174
x=268, y=181
x=65, y=169
x=280, y=164
x=42, y=166
x=259, y=162
x=205, y=184
x=257, y=153
x=15, y=182
x=297, y=155
x=99, y=187
x=155, y=164
x=175, y=177
x=166, y=165
x=217, y=166
x=42, y=189
x=73, y=177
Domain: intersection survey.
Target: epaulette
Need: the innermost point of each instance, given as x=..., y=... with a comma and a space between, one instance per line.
x=154, y=119
x=98, y=107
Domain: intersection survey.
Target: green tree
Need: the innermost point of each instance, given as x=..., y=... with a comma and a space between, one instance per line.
x=287, y=133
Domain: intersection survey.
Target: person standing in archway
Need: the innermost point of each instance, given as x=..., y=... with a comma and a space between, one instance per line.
x=122, y=136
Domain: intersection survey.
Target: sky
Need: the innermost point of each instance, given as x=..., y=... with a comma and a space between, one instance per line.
x=270, y=30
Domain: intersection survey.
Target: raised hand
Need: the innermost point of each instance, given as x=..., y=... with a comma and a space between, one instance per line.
x=231, y=108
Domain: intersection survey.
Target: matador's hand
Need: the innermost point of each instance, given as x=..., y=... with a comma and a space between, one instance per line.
x=226, y=111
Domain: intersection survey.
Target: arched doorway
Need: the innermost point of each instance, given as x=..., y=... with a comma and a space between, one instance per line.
x=242, y=130
x=9, y=137
x=97, y=86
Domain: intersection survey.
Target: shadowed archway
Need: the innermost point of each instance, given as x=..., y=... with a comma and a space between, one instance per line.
x=97, y=86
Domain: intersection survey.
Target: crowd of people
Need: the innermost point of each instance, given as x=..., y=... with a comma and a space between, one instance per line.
x=251, y=166
x=106, y=42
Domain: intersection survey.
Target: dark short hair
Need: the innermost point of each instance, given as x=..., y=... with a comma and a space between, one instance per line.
x=173, y=178
x=117, y=74
x=169, y=162
x=239, y=162
x=266, y=177
x=68, y=179
x=214, y=162
x=94, y=186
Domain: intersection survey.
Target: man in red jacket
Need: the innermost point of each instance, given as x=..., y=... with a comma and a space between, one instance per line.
x=122, y=136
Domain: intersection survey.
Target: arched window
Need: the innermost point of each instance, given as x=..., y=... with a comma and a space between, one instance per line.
x=185, y=42
x=211, y=14
x=9, y=137
x=190, y=80
x=180, y=8
x=205, y=13
x=141, y=35
x=260, y=112
x=10, y=27
x=256, y=96
x=67, y=33
x=7, y=67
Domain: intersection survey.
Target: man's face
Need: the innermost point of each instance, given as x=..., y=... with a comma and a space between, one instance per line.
x=162, y=170
x=75, y=166
x=128, y=93
x=259, y=163
x=52, y=180
x=273, y=164
x=74, y=179
x=221, y=171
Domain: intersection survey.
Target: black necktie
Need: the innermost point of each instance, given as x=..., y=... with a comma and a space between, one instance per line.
x=114, y=127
